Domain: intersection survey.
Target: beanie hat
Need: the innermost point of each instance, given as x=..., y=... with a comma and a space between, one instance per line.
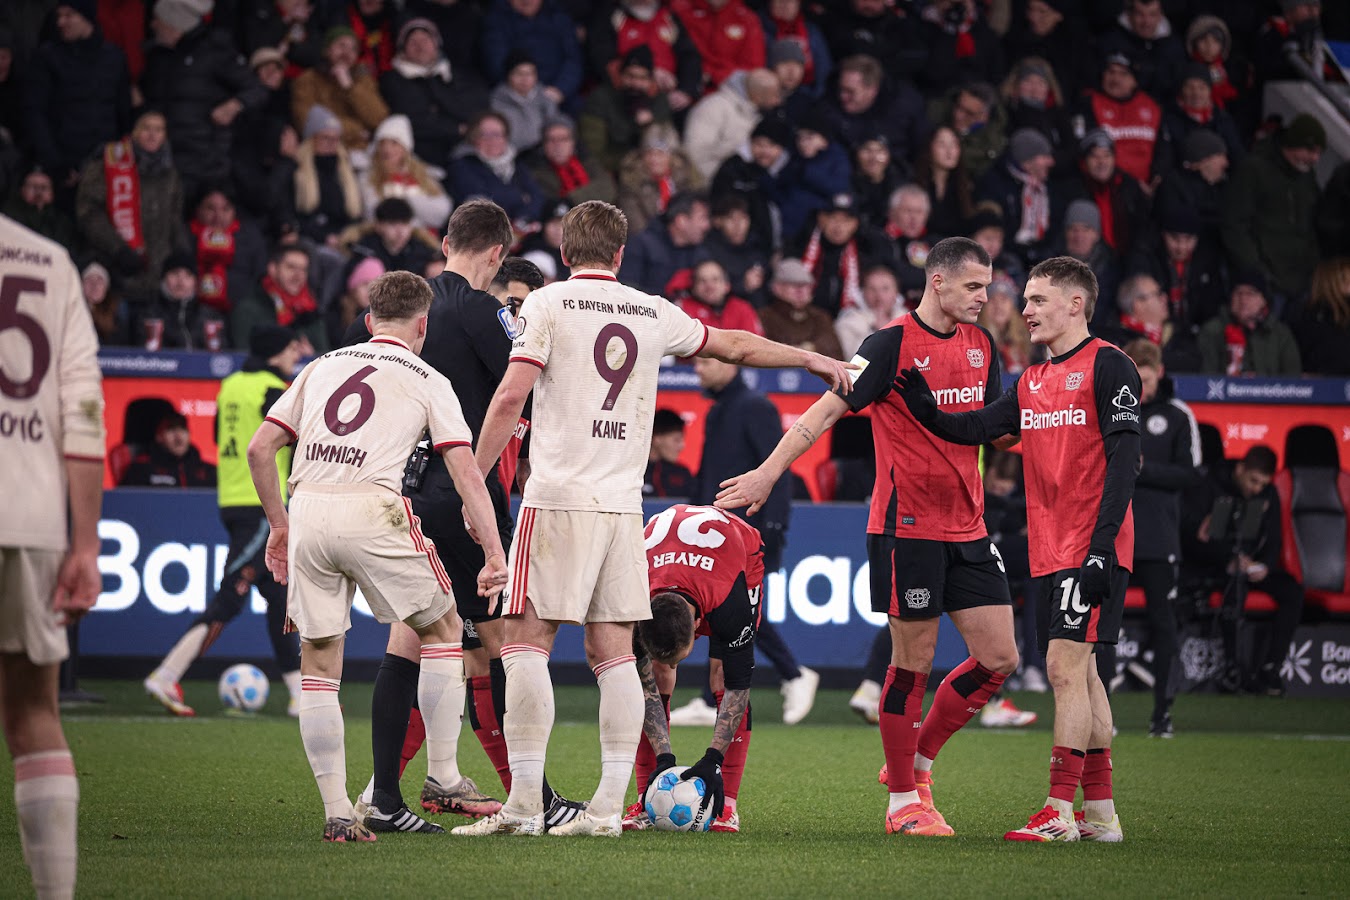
x=1201, y=144
x=366, y=271
x=98, y=270
x=88, y=9
x=182, y=15
x=179, y=259
x=1028, y=143
x=1180, y=220
x=785, y=50
x=1119, y=59
x=264, y=55
x=1097, y=137
x=321, y=118
x=396, y=128
x=816, y=120
x=266, y=341
x=1213, y=26
x=1251, y=278
x=334, y=33
x=1197, y=70
x=640, y=56
x=1083, y=212
x=418, y=24
x=776, y=129
x=1304, y=131
x=1033, y=65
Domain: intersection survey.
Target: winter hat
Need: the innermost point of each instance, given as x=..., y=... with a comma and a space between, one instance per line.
x=264, y=55
x=1097, y=137
x=415, y=25
x=266, y=341
x=396, y=128
x=1028, y=143
x=1033, y=65
x=1083, y=212
x=1180, y=220
x=776, y=129
x=1197, y=70
x=1305, y=132
x=842, y=203
x=1201, y=144
x=98, y=270
x=640, y=56
x=792, y=271
x=1251, y=278
x=336, y=32
x=1210, y=25
x=321, y=118
x=179, y=259
x=181, y=15
x=366, y=271
x=88, y=9
x=1119, y=59
x=518, y=57
x=816, y=120
x=660, y=136
x=785, y=50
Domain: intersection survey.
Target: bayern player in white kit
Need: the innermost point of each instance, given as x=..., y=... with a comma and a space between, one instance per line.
x=51, y=441
x=590, y=349
x=355, y=415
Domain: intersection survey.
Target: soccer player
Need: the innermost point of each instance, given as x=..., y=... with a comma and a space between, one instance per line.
x=1078, y=417
x=243, y=401
x=355, y=415
x=706, y=571
x=927, y=546
x=590, y=349
x=51, y=392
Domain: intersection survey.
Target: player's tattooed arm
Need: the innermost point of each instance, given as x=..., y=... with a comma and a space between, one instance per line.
x=654, y=724
x=805, y=433
x=735, y=704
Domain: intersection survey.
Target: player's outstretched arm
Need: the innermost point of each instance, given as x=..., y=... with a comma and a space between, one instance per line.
x=504, y=413
x=980, y=426
x=752, y=488
x=78, y=583
x=745, y=349
x=262, y=466
x=478, y=510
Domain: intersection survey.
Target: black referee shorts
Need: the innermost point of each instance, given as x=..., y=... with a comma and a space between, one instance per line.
x=913, y=578
x=1066, y=616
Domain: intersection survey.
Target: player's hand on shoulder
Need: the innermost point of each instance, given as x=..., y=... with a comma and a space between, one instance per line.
x=750, y=490
x=913, y=389
x=277, y=555
x=709, y=768
x=1097, y=574
x=78, y=585
x=834, y=372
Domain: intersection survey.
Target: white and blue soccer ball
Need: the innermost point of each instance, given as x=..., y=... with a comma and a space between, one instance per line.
x=675, y=805
x=243, y=687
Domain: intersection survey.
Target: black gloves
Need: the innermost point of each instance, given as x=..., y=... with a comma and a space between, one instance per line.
x=663, y=762
x=709, y=768
x=1097, y=574
x=128, y=262
x=913, y=389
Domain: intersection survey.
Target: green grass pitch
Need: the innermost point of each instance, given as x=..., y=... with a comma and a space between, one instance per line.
x=1248, y=800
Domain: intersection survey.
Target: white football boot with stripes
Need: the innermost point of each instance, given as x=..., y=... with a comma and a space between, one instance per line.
x=503, y=822
x=1101, y=832
x=1046, y=825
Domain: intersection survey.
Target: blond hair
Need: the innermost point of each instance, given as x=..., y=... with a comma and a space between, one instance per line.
x=399, y=296
x=592, y=233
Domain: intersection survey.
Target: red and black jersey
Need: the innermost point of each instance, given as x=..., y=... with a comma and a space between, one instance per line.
x=717, y=561
x=925, y=487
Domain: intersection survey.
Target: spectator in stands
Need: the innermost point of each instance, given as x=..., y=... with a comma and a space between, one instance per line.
x=543, y=249
x=1032, y=98
x=1142, y=306
x=172, y=461
x=77, y=96
x=395, y=171
x=618, y=112
x=1193, y=109
x=1209, y=40
x=372, y=23
x=1197, y=188
x=265, y=149
x=785, y=23
x=753, y=173
x=437, y=98
x=197, y=78
x=1129, y=116
x=871, y=28
x=485, y=166
x=355, y=301
x=836, y=250
x=720, y=123
x=727, y=34
x=986, y=229
x=1144, y=34
x=907, y=227
x=818, y=170
x=1269, y=208
x=282, y=297
x=231, y=251
x=861, y=110
x=11, y=104
x=123, y=25
x=882, y=303
x=974, y=113
x=876, y=175
x=791, y=318
x=666, y=476
x=105, y=307
x=709, y=299
x=947, y=183
x=562, y=174
x=651, y=176
x=787, y=61
x=1217, y=562
x=1083, y=241
x=175, y=320
x=1064, y=40
x=327, y=194
x=523, y=103
x=729, y=243
x=459, y=25
x=1245, y=339
x=394, y=240
x=1007, y=327
x=1018, y=184
x=671, y=243
x=672, y=60
x=289, y=27
x=33, y=207
x=133, y=232
x=344, y=86
x=1119, y=197
x=541, y=29
x=1190, y=272
x=1300, y=26
x=961, y=45
x=1322, y=326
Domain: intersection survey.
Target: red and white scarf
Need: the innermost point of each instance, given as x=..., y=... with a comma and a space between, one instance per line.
x=289, y=307
x=123, y=182
x=851, y=295
x=215, y=253
x=1153, y=332
x=1035, y=209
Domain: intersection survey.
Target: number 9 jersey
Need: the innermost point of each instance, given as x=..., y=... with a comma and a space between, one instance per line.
x=600, y=346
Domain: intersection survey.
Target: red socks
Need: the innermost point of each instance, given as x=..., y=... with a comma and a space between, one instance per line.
x=487, y=726
x=646, y=756
x=961, y=695
x=901, y=710
x=733, y=765
x=1066, y=770
x=1097, y=774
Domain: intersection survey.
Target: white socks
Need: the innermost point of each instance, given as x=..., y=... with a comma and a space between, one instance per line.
x=900, y=800
x=182, y=654
x=321, y=730
x=1063, y=807
x=621, y=711
x=47, y=799
x=292, y=680
x=1099, y=810
x=529, y=720
x=440, y=696
x=922, y=763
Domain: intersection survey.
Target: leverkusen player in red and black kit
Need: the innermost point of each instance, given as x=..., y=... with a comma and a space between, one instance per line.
x=927, y=545
x=706, y=570
x=1078, y=416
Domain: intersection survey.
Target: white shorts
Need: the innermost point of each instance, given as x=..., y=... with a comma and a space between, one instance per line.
x=578, y=566
x=351, y=535
x=27, y=623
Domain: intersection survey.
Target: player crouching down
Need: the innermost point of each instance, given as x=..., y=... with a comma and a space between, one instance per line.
x=706, y=570
x=355, y=415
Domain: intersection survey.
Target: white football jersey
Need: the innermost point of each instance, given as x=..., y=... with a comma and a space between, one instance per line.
x=51, y=394
x=599, y=345
x=357, y=413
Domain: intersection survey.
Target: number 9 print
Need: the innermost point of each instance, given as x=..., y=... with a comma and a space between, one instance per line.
x=616, y=377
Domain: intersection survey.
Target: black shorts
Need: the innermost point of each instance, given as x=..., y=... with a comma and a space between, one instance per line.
x=920, y=579
x=1065, y=615
x=443, y=523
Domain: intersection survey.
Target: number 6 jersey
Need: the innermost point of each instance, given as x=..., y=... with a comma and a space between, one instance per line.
x=356, y=414
x=599, y=345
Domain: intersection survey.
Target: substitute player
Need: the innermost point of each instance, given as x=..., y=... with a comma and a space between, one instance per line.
x=706, y=571
x=51, y=394
x=590, y=349
x=927, y=546
x=355, y=414
x=1078, y=416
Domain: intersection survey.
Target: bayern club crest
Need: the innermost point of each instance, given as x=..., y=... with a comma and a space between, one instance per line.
x=1073, y=381
x=975, y=356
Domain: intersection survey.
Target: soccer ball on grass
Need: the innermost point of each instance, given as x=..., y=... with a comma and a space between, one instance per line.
x=243, y=687
x=675, y=805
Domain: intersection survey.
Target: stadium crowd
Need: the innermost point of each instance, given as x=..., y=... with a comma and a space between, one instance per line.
x=213, y=166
